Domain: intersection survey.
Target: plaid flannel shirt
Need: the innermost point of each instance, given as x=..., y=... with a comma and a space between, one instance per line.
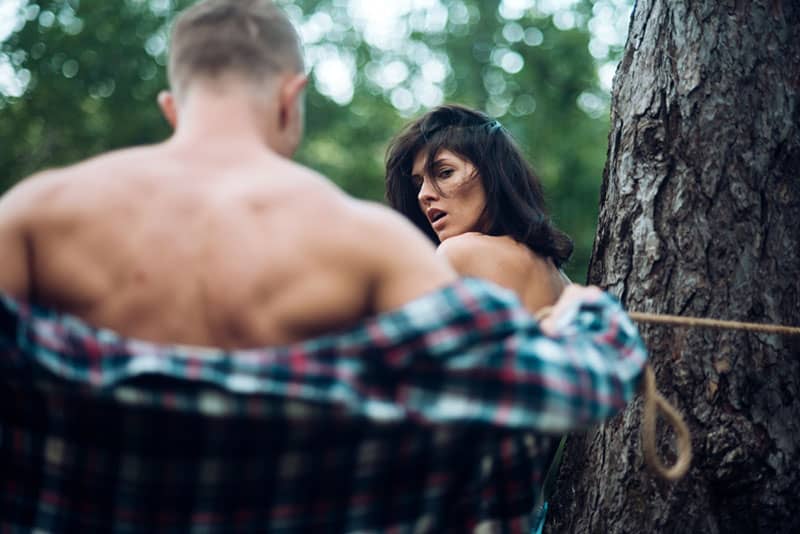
x=436, y=417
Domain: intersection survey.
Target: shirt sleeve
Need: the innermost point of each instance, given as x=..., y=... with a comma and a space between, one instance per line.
x=494, y=365
x=468, y=353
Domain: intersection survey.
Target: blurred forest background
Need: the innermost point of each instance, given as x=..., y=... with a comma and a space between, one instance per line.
x=78, y=77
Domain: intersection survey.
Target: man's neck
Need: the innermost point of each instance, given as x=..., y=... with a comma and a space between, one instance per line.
x=226, y=120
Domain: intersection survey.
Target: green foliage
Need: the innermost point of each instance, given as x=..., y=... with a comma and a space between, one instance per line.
x=92, y=70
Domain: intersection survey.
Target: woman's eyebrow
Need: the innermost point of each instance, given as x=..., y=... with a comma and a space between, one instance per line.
x=441, y=161
x=435, y=165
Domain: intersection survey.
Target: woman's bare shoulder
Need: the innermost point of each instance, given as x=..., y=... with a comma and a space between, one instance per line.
x=464, y=248
x=498, y=258
x=476, y=245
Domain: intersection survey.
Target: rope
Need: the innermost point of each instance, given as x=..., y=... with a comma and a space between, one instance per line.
x=654, y=402
x=677, y=320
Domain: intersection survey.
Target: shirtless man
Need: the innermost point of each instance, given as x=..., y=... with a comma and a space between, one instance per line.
x=214, y=237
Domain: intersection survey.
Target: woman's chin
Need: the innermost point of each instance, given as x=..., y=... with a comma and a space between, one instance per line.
x=446, y=231
x=445, y=235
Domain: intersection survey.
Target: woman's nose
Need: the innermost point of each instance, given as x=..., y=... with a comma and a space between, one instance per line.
x=427, y=193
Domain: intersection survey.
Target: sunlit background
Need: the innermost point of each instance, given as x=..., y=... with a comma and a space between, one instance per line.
x=78, y=77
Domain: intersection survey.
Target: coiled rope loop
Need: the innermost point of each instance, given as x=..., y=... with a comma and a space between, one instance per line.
x=654, y=402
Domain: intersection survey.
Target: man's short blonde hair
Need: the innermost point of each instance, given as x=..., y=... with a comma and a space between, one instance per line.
x=250, y=38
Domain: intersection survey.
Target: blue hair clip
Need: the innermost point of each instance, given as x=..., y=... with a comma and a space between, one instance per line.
x=493, y=126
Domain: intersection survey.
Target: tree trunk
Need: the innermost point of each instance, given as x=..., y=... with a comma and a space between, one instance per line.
x=700, y=216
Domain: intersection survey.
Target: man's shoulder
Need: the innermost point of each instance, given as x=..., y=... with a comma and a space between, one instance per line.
x=362, y=222
x=364, y=230
x=382, y=223
x=54, y=178
x=32, y=194
x=122, y=159
x=48, y=189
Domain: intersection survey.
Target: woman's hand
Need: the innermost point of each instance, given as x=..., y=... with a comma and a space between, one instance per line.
x=572, y=293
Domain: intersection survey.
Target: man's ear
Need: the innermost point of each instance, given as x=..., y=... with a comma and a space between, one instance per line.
x=166, y=102
x=291, y=91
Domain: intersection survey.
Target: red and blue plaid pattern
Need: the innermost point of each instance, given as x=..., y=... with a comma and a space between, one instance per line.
x=432, y=418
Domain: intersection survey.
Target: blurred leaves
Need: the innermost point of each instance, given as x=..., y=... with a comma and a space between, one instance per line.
x=86, y=74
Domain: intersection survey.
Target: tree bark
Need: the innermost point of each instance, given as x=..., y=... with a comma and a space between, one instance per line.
x=700, y=216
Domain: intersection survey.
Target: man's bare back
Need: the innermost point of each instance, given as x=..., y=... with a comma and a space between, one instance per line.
x=214, y=237
x=220, y=247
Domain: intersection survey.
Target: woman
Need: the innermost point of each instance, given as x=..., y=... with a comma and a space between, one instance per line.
x=458, y=175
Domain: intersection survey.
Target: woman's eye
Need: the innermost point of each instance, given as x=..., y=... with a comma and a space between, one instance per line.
x=445, y=173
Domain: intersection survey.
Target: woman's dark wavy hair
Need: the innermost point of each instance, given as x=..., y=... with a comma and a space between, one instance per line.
x=514, y=198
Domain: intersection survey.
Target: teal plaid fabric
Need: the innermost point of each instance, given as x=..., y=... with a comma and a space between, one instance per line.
x=435, y=418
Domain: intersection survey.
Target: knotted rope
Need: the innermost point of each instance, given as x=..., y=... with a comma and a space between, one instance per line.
x=654, y=402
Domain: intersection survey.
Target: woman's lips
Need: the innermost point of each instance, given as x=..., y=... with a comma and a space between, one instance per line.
x=439, y=223
x=433, y=214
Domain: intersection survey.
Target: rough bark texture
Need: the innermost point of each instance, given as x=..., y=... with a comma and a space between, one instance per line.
x=700, y=216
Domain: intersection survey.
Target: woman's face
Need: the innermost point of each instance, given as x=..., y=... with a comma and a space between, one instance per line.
x=459, y=206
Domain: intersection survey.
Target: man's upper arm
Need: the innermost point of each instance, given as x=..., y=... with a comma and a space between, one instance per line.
x=15, y=279
x=403, y=261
